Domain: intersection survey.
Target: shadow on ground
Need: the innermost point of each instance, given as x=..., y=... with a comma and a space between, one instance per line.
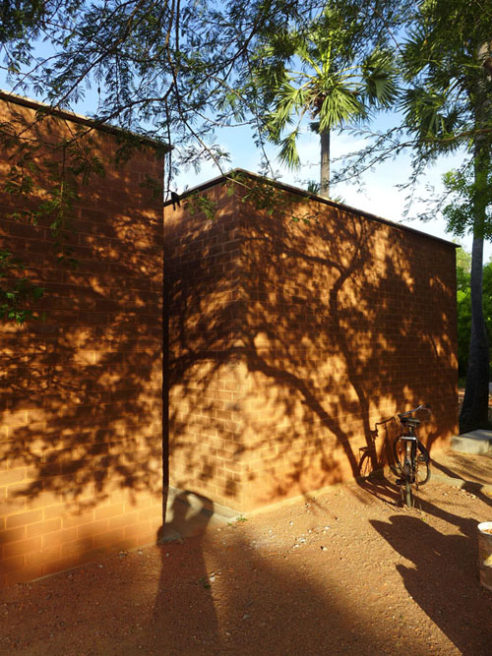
x=348, y=573
x=442, y=578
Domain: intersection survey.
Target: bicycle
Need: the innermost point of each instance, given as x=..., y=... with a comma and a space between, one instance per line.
x=412, y=460
x=371, y=463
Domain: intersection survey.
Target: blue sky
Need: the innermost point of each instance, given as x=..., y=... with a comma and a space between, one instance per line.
x=379, y=196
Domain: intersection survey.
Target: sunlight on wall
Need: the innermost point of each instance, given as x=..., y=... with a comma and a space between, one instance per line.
x=330, y=320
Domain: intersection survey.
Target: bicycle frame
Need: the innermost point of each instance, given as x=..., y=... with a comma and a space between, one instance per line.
x=414, y=454
x=411, y=458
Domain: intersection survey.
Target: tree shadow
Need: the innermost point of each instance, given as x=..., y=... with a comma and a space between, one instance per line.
x=290, y=326
x=442, y=578
x=254, y=603
x=81, y=432
x=295, y=324
x=473, y=469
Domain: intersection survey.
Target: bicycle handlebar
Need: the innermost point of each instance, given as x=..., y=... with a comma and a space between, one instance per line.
x=422, y=406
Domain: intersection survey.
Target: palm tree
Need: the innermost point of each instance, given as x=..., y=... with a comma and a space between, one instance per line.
x=315, y=74
x=447, y=61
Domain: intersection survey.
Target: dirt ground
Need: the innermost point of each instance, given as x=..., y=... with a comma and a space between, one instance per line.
x=346, y=572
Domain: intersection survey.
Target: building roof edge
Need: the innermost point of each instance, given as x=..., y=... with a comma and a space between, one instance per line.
x=296, y=190
x=68, y=115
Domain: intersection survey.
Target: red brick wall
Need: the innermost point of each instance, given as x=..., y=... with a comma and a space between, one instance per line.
x=205, y=366
x=342, y=320
x=81, y=386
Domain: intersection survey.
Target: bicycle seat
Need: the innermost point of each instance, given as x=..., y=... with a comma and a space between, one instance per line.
x=411, y=421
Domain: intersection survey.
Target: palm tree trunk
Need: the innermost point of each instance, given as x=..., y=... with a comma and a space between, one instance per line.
x=325, y=164
x=474, y=412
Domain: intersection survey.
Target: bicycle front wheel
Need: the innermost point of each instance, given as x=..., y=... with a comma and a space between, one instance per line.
x=422, y=465
x=408, y=494
x=402, y=453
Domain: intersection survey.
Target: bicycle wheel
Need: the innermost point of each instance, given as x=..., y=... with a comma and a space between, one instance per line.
x=408, y=494
x=422, y=465
x=404, y=452
x=400, y=456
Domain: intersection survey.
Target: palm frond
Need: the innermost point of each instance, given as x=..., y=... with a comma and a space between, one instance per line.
x=288, y=152
x=340, y=104
x=379, y=77
x=426, y=113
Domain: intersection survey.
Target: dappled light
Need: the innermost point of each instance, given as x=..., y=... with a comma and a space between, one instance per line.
x=294, y=326
x=286, y=327
x=81, y=432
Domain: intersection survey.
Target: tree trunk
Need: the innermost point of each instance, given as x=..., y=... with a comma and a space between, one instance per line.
x=325, y=164
x=474, y=412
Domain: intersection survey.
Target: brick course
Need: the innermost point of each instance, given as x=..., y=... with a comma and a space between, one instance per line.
x=81, y=387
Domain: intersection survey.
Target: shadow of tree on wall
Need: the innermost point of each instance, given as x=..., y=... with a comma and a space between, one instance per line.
x=82, y=385
x=294, y=327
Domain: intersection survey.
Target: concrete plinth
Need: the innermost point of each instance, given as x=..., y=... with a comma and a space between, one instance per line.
x=478, y=442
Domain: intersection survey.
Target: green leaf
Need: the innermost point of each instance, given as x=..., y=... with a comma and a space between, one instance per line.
x=288, y=151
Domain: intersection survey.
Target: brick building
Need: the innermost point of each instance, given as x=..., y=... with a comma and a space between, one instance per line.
x=254, y=370
x=81, y=387
x=295, y=324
